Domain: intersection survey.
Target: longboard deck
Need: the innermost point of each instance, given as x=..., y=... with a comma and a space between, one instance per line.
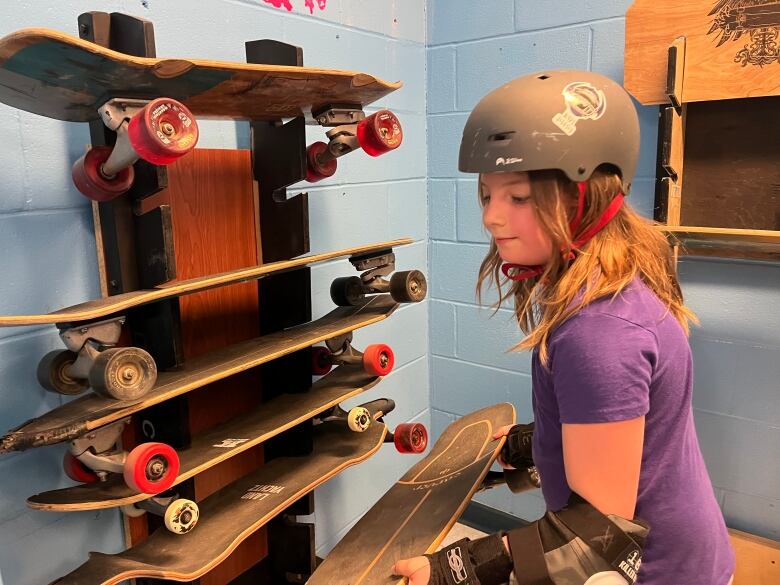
x=220, y=443
x=92, y=411
x=63, y=77
x=232, y=514
x=110, y=305
x=722, y=61
x=415, y=515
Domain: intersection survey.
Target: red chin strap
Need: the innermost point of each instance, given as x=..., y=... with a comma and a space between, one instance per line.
x=519, y=272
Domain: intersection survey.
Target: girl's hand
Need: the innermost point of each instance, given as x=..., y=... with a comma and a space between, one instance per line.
x=502, y=432
x=417, y=570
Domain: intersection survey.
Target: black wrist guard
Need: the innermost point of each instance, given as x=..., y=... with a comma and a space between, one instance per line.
x=480, y=562
x=517, y=449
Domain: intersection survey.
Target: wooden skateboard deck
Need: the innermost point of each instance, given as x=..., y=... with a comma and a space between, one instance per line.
x=233, y=513
x=220, y=443
x=92, y=411
x=114, y=304
x=415, y=515
x=63, y=77
x=730, y=48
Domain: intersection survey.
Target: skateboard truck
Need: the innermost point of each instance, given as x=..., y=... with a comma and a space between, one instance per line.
x=377, y=359
x=123, y=373
x=159, y=131
x=179, y=514
x=376, y=134
x=149, y=468
x=407, y=286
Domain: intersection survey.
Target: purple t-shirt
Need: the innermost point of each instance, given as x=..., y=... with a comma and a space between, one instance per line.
x=619, y=359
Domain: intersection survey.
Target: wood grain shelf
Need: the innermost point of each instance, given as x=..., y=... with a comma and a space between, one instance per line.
x=725, y=242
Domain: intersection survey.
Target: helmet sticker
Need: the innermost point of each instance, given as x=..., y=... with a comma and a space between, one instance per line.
x=583, y=102
x=507, y=161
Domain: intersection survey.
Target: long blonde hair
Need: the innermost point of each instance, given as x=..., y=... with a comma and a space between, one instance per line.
x=626, y=247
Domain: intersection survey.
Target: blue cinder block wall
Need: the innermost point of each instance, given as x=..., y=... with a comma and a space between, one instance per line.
x=473, y=48
x=48, y=257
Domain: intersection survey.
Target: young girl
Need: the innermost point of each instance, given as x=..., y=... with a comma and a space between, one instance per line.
x=595, y=292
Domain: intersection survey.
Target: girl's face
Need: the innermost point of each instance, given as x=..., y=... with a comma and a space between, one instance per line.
x=508, y=214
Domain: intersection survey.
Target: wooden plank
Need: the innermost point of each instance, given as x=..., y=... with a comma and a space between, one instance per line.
x=758, y=559
x=729, y=51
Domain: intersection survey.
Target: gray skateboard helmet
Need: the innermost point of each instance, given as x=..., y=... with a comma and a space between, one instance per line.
x=569, y=120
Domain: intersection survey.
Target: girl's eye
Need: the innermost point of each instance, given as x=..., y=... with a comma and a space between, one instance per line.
x=520, y=199
x=485, y=198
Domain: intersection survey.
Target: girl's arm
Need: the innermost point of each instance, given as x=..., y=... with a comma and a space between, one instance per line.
x=602, y=462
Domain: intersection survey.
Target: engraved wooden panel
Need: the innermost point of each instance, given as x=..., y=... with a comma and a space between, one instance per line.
x=732, y=49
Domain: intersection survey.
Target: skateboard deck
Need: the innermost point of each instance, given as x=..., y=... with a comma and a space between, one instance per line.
x=220, y=443
x=232, y=514
x=89, y=412
x=110, y=305
x=63, y=77
x=730, y=48
x=415, y=515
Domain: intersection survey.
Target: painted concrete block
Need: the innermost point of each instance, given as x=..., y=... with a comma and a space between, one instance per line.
x=740, y=454
x=459, y=20
x=442, y=209
x=609, y=39
x=454, y=270
x=441, y=80
x=470, y=227
x=444, y=134
x=442, y=328
x=753, y=514
x=734, y=301
x=461, y=387
x=404, y=64
x=486, y=65
x=48, y=262
x=487, y=339
x=528, y=16
x=407, y=208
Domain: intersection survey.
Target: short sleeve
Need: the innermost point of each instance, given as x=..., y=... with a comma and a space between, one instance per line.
x=602, y=366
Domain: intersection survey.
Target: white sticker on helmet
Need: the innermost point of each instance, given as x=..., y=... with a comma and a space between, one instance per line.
x=583, y=101
x=507, y=161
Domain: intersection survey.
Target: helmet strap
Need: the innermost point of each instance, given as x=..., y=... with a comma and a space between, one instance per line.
x=518, y=272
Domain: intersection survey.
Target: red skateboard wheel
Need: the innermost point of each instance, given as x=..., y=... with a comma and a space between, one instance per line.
x=315, y=169
x=410, y=438
x=321, y=362
x=380, y=133
x=89, y=180
x=76, y=470
x=151, y=468
x=163, y=131
x=378, y=359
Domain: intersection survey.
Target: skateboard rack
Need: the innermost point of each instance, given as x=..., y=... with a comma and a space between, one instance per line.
x=137, y=250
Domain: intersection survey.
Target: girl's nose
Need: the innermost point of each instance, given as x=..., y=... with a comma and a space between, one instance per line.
x=492, y=215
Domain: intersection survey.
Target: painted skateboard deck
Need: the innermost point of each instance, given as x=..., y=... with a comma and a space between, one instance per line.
x=233, y=513
x=92, y=411
x=220, y=443
x=731, y=48
x=63, y=77
x=114, y=304
x=415, y=515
